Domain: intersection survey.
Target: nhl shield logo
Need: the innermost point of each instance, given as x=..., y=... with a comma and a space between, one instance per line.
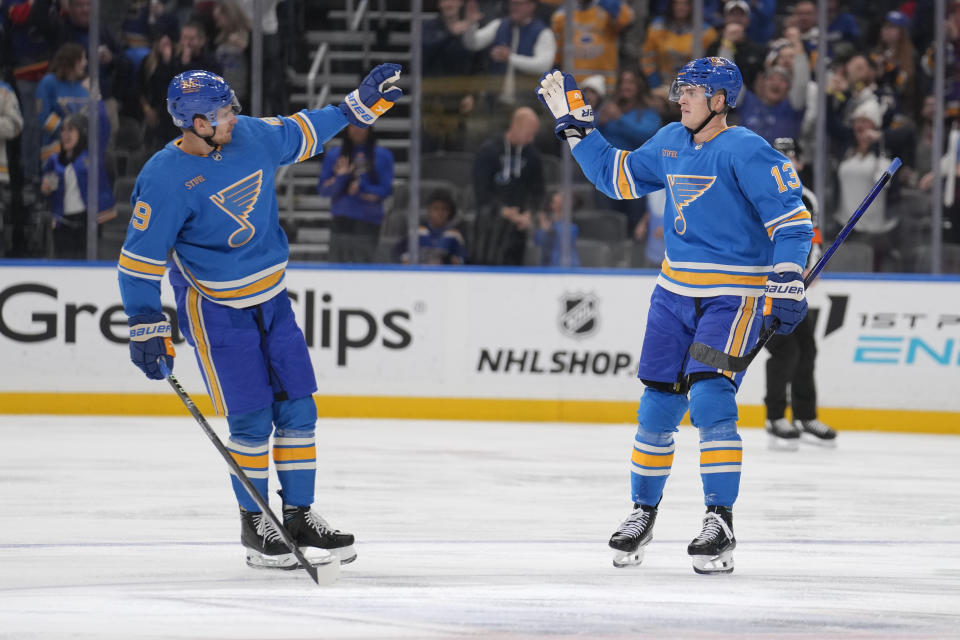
x=579, y=314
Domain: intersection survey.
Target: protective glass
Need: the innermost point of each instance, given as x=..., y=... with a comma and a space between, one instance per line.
x=224, y=113
x=679, y=87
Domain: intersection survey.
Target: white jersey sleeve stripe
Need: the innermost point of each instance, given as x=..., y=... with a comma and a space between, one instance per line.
x=614, y=176
x=130, y=254
x=783, y=217
x=712, y=266
x=795, y=223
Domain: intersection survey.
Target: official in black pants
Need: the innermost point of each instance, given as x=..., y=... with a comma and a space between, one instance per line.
x=791, y=362
x=792, y=356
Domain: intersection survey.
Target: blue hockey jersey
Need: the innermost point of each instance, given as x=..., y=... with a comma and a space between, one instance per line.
x=733, y=205
x=218, y=213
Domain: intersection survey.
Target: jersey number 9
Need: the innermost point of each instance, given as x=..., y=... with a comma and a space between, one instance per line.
x=141, y=215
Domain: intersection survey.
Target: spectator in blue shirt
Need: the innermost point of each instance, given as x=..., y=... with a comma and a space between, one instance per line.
x=357, y=176
x=627, y=120
x=771, y=112
x=63, y=91
x=440, y=242
x=65, y=182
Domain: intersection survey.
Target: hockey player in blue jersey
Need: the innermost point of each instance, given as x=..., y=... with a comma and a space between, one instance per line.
x=739, y=231
x=209, y=197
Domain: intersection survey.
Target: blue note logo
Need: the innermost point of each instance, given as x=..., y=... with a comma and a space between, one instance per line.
x=237, y=201
x=684, y=190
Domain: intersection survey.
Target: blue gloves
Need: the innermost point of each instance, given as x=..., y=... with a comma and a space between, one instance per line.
x=786, y=300
x=559, y=93
x=149, y=340
x=371, y=99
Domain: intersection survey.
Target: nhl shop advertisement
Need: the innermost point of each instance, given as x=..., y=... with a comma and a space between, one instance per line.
x=435, y=333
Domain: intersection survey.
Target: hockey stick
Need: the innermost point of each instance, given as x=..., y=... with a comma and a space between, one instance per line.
x=721, y=360
x=242, y=477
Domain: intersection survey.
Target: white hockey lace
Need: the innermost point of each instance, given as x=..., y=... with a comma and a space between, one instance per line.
x=635, y=523
x=712, y=525
x=265, y=529
x=317, y=523
x=816, y=427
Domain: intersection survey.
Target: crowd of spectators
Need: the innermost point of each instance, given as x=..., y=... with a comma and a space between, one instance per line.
x=482, y=60
x=45, y=84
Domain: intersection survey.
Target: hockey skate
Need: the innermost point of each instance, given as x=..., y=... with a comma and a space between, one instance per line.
x=815, y=432
x=712, y=550
x=267, y=550
x=635, y=533
x=314, y=534
x=784, y=435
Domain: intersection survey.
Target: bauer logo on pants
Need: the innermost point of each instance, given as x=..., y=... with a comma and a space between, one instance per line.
x=579, y=314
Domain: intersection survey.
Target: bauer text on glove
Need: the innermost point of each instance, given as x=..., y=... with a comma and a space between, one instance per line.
x=150, y=339
x=786, y=300
x=374, y=97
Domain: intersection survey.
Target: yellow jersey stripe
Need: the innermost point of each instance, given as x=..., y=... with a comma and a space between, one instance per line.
x=803, y=215
x=721, y=457
x=311, y=142
x=50, y=149
x=692, y=277
x=51, y=123
x=718, y=133
x=296, y=453
x=254, y=462
x=203, y=350
x=257, y=287
x=648, y=460
x=741, y=331
x=623, y=182
x=143, y=267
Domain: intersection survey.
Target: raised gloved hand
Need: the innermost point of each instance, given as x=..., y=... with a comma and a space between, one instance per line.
x=149, y=340
x=373, y=97
x=786, y=300
x=559, y=93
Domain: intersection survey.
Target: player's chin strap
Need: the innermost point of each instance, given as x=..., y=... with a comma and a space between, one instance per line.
x=710, y=117
x=213, y=145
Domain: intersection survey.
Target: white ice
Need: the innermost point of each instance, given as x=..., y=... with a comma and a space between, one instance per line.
x=127, y=528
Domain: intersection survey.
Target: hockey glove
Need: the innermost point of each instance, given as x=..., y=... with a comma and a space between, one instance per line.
x=149, y=340
x=786, y=300
x=371, y=99
x=559, y=93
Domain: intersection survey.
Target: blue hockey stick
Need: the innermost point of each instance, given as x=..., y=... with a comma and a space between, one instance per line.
x=721, y=360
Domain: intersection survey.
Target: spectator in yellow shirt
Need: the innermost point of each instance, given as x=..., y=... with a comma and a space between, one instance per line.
x=669, y=43
x=596, y=37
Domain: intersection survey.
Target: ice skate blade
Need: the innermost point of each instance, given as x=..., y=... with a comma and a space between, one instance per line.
x=623, y=559
x=776, y=443
x=345, y=554
x=809, y=438
x=709, y=565
x=328, y=569
x=285, y=561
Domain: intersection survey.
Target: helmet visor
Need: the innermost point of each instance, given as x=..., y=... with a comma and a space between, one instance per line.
x=681, y=87
x=223, y=113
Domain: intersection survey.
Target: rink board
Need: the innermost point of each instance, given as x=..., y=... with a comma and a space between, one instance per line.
x=530, y=345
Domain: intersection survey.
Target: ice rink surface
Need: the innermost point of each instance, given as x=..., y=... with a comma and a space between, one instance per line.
x=127, y=528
